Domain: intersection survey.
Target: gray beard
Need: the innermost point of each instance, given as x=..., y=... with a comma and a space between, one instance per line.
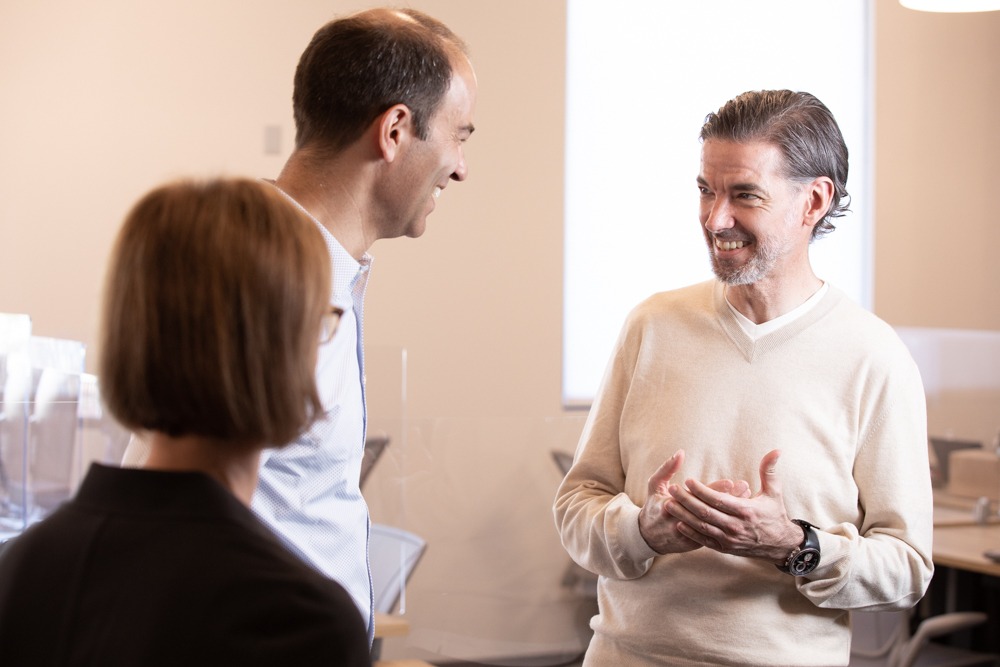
x=758, y=266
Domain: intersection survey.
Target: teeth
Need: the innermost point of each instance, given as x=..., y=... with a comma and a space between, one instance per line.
x=437, y=192
x=728, y=245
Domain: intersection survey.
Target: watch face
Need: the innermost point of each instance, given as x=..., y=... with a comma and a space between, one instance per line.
x=804, y=562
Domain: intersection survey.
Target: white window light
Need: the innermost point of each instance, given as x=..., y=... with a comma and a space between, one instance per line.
x=952, y=5
x=640, y=80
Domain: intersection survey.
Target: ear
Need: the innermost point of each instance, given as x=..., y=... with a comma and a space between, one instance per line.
x=819, y=194
x=395, y=127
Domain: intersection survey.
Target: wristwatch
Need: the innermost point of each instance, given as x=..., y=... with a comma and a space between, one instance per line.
x=805, y=557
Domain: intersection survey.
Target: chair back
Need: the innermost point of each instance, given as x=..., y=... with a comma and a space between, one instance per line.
x=883, y=639
x=563, y=460
x=393, y=554
x=374, y=446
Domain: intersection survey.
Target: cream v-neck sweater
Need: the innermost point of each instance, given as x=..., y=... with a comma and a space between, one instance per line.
x=838, y=393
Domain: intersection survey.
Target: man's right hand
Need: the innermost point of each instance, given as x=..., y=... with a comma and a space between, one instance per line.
x=659, y=528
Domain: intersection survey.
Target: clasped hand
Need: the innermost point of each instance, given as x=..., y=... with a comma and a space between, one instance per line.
x=722, y=515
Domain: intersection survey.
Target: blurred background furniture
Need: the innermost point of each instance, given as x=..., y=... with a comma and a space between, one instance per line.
x=374, y=446
x=39, y=427
x=52, y=423
x=393, y=554
x=883, y=639
x=948, y=627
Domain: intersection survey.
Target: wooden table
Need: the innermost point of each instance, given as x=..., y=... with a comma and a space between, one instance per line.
x=390, y=625
x=959, y=543
x=962, y=547
x=959, y=540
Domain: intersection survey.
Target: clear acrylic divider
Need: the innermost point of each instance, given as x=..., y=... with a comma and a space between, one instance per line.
x=394, y=549
x=493, y=585
x=41, y=429
x=15, y=383
x=51, y=424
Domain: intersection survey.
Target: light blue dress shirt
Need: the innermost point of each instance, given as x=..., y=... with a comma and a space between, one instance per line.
x=309, y=492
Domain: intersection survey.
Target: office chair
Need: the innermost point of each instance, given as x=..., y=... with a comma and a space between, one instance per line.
x=563, y=460
x=393, y=554
x=904, y=650
x=374, y=446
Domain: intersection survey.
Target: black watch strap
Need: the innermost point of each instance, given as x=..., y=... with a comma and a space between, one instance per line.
x=805, y=557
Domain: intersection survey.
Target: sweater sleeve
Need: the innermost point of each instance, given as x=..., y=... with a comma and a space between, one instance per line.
x=597, y=520
x=885, y=563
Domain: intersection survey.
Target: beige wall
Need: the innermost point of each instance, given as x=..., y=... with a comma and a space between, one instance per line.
x=99, y=103
x=937, y=140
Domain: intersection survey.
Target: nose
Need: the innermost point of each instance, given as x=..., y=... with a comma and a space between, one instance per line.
x=461, y=169
x=716, y=215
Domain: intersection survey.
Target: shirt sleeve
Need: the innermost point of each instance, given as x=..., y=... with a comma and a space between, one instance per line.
x=597, y=521
x=886, y=562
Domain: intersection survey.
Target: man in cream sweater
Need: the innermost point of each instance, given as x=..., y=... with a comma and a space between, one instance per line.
x=768, y=378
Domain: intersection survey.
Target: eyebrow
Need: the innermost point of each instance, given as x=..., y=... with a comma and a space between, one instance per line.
x=739, y=187
x=747, y=187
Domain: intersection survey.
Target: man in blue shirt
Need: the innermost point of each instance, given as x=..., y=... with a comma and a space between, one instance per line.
x=383, y=103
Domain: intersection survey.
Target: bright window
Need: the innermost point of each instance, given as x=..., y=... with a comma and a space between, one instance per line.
x=641, y=77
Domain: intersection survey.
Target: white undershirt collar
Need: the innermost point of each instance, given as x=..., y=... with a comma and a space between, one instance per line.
x=756, y=331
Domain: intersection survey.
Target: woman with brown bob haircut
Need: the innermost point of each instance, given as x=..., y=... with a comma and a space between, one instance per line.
x=217, y=298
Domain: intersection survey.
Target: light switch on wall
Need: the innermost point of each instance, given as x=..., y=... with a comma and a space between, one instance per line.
x=272, y=139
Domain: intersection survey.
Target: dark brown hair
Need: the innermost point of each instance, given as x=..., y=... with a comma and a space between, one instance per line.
x=213, y=302
x=802, y=128
x=358, y=66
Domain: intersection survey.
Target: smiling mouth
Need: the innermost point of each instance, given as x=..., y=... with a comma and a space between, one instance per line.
x=729, y=245
x=437, y=191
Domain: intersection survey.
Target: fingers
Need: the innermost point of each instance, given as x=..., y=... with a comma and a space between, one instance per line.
x=660, y=480
x=708, y=508
x=698, y=513
x=741, y=489
x=770, y=484
x=714, y=495
x=727, y=517
x=698, y=505
x=722, y=485
x=685, y=503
